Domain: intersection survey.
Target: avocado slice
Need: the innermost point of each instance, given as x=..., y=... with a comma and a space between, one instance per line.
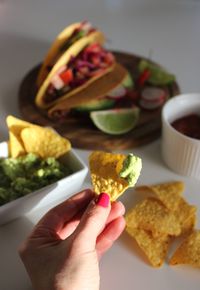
x=101, y=104
x=128, y=82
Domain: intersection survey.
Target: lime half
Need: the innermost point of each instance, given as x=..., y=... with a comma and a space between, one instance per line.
x=115, y=121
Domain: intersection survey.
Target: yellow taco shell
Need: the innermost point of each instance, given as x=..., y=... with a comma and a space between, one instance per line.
x=73, y=50
x=54, y=51
x=99, y=88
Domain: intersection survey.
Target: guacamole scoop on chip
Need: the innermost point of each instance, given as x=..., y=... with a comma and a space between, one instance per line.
x=22, y=175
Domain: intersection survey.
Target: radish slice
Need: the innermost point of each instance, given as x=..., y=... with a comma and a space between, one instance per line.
x=118, y=92
x=152, y=98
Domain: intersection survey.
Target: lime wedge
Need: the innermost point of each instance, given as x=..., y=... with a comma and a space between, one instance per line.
x=116, y=121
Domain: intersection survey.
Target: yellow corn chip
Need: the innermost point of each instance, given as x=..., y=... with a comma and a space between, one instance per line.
x=25, y=137
x=185, y=215
x=15, y=126
x=189, y=251
x=44, y=142
x=151, y=215
x=16, y=147
x=113, y=173
x=105, y=169
x=153, y=221
x=12, y=121
x=154, y=248
x=169, y=193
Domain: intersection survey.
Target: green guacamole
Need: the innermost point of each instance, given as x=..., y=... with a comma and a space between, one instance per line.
x=131, y=169
x=22, y=175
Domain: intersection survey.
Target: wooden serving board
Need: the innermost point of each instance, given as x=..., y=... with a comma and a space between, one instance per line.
x=80, y=131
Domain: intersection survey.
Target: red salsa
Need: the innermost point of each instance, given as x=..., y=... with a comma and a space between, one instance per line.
x=188, y=125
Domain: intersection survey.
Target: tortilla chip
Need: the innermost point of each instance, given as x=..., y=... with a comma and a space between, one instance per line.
x=44, y=142
x=156, y=219
x=13, y=121
x=169, y=193
x=25, y=137
x=16, y=147
x=15, y=126
x=105, y=168
x=185, y=215
x=154, y=248
x=151, y=215
x=188, y=252
x=188, y=225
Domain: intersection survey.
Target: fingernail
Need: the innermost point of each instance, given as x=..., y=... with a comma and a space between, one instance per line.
x=103, y=199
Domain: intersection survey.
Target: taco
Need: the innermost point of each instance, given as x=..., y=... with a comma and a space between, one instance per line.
x=63, y=41
x=97, y=91
x=83, y=63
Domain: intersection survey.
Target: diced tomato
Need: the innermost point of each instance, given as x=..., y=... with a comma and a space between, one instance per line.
x=95, y=60
x=67, y=76
x=145, y=75
x=95, y=47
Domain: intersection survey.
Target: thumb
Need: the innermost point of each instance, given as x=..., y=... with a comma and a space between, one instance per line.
x=92, y=223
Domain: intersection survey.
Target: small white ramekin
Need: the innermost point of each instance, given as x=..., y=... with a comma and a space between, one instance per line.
x=180, y=153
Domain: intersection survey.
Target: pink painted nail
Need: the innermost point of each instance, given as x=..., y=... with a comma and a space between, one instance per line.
x=103, y=199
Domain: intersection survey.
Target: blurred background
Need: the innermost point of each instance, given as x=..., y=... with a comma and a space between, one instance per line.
x=166, y=31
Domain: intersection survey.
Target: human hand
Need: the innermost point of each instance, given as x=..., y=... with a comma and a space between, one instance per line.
x=63, y=250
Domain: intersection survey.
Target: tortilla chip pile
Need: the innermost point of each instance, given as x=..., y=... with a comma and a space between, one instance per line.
x=159, y=218
x=105, y=169
x=189, y=251
x=25, y=137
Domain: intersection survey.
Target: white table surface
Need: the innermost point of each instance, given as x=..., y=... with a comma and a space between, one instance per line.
x=171, y=31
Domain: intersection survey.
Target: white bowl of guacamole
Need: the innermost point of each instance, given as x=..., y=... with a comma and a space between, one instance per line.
x=29, y=182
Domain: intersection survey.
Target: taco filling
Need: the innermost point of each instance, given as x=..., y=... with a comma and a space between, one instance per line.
x=91, y=62
x=84, y=29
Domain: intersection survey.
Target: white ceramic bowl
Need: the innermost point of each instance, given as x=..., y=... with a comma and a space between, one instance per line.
x=47, y=195
x=180, y=153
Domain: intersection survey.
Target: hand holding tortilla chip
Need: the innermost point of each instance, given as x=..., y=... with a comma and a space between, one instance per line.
x=113, y=173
